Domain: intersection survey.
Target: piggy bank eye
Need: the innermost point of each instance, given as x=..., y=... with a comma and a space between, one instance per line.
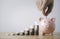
x=49, y=21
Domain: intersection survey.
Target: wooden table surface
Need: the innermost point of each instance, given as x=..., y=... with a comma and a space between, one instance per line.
x=55, y=36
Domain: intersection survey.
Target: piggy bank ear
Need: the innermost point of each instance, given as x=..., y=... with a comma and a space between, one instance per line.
x=53, y=19
x=40, y=18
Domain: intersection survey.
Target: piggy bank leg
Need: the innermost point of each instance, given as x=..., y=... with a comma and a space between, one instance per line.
x=42, y=33
x=52, y=34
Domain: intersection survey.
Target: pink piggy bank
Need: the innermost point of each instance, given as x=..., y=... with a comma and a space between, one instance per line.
x=46, y=26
